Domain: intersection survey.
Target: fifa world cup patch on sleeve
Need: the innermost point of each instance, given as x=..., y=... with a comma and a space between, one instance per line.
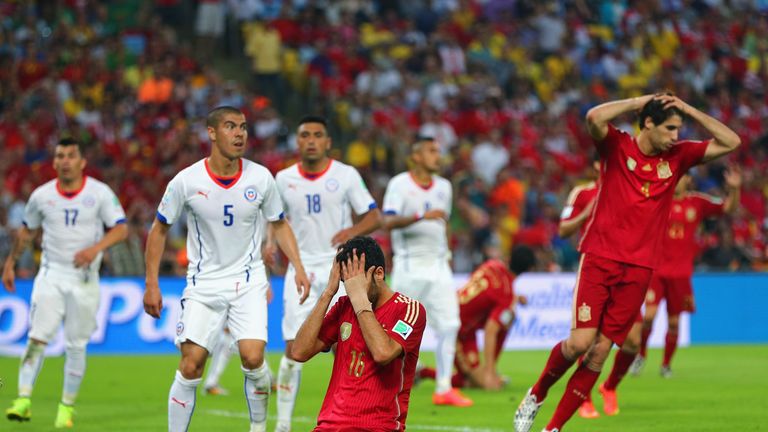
x=402, y=329
x=506, y=317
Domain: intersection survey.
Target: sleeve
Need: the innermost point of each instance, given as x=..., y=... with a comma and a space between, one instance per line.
x=361, y=200
x=574, y=205
x=409, y=328
x=449, y=201
x=393, y=199
x=272, y=204
x=503, y=314
x=281, y=186
x=329, y=331
x=709, y=205
x=692, y=152
x=172, y=202
x=111, y=212
x=609, y=142
x=33, y=217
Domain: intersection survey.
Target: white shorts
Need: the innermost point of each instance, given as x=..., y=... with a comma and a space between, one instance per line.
x=294, y=314
x=58, y=297
x=430, y=283
x=242, y=307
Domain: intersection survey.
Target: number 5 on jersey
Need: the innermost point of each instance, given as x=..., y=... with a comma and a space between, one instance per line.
x=229, y=218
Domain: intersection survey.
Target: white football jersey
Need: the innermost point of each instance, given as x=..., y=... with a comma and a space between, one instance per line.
x=225, y=223
x=319, y=206
x=71, y=224
x=425, y=238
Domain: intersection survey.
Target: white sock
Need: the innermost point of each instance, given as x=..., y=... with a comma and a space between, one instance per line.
x=31, y=362
x=288, y=380
x=219, y=360
x=181, y=402
x=445, y=353
x=74, y=369
x=257, y=389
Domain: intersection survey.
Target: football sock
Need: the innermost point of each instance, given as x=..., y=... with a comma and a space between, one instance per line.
x=670, y=345
x=288, y=380
x=74, y=369
x=181, y=402
x=31, y=362
x=644, y=341
x=556, y=366
x=446, y=351
x=219, y=360
x=257, y=389
x=621, y=365
x=576, y=392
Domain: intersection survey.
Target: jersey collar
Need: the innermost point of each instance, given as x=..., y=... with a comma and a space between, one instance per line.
x=70, y=194
x=216, y=178
x=312, y=176
x=427, y=187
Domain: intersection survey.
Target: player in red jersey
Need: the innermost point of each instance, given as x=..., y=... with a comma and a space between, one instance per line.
x=672, y=279
x=622, y=237
x=378, y=333
x=487, y=301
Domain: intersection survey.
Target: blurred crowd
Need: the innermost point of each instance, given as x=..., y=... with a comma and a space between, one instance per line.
x=502, y=84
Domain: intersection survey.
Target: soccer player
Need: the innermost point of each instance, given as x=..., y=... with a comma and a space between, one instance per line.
x=417, y=204
x=619, y=248
x=672, y=279
x=226, y=198
x=487, y=301
x=377, y=332
x=319, y=195
x=72, y=211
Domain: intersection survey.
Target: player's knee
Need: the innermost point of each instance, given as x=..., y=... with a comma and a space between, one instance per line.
x=598, y=353
x=252, y=360
x=191, y=369
x=674, y=323
x=577, y=345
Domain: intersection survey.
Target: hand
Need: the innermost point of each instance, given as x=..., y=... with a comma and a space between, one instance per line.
x=9, y=276
x=302, y=285
x=85, y=256
x=341, y=237
x=522, y=300
x=435, y=214
x=153, y=300
x=333, y=280
x=732, y=177
x=491, y=380
x=356, y=279
x=673, y=101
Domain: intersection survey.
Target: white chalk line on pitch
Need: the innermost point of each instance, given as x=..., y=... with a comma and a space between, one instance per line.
x=411, y=427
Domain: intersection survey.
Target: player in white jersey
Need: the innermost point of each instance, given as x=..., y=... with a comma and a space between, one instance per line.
x=72, y=211
x=417, y=205
x=226, y=199
x=320, y=195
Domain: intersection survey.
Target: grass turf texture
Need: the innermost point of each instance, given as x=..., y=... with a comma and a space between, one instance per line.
x=720, y=388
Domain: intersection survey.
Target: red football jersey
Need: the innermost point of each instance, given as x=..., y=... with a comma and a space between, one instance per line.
x=679, y=246
x=364, y=395
x=488, y=295
x=633, y=198
x=578, y=200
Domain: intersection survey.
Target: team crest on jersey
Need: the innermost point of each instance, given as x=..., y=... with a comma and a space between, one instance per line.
x=631, y=164
x=403, y=329
x=663, y=170
x=647, y=167
x=89, y=201
x=179, y=328
x=331, y=185
x=345, y=330
x=585, y=313
x=690, y=214
x=250, y=194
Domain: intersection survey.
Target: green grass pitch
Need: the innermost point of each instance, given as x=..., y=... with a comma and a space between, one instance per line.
x=722, y=388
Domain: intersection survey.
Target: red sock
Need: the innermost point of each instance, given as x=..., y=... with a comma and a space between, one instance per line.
x=457, y=380
x=670, y=345
x=428, y=372
x=644, y=341
x=620, y=367
x=556, y=366
x=576, y=392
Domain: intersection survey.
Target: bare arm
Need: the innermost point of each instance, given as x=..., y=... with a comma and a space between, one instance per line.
x=22, y=240
x=307, y=344
x=115, y=235
x=733, y=186
x=491, y=379
x=153, y=300
x=287, y=242
x=396, y=221
x=370, y=222
x=724, y=139
x=599, y=116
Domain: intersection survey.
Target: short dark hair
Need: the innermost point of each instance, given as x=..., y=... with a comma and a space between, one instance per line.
x=314, y=119
x=69, y=141
x=374, y=256
x=655, y=110
x=522, y=259
x=214, y=116
x=418, y=141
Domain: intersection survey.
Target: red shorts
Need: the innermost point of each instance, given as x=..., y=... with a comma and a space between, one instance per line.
x=608, y=296
x=467, y=354
x=677, y=290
